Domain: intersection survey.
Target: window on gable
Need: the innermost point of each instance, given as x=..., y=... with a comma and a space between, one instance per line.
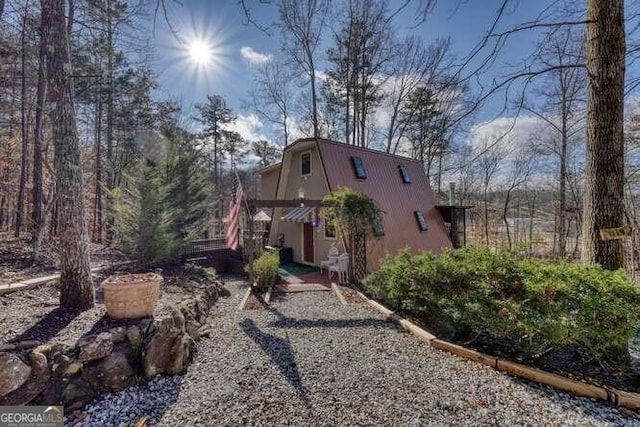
x=404, y=174
x=358, y=167
x=422, y=222
x=378, y=229
x=305, y=164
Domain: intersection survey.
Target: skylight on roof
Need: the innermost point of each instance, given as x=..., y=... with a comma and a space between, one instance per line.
x=422, y=222
x=404, y=174
x=358, y=167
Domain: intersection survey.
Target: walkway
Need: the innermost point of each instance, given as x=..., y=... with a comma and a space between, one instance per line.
x=309, y=360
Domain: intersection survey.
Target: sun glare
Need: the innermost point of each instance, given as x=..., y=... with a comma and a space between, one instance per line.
x=200, y=52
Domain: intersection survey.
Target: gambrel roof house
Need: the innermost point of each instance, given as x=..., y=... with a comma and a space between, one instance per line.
x=311, y=168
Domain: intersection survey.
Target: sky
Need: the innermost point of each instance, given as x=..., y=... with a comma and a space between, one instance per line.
x=238, y=46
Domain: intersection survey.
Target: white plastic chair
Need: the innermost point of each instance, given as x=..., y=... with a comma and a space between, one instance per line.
x=333, y=258
x=341, y=268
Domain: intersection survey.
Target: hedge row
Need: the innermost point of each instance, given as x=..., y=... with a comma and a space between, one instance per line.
x=534, y=305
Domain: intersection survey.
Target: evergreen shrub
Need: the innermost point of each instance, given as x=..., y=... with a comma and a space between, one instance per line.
x=163, y=203
x=536, y=306
x=265, y=268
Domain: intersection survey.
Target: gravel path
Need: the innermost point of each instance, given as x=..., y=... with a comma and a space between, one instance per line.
x=312, y=361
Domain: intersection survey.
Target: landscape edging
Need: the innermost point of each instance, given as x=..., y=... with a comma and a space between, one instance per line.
x=620, y=398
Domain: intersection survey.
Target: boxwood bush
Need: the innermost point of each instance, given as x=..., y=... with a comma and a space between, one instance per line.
x=265, y=268
x=535, y=306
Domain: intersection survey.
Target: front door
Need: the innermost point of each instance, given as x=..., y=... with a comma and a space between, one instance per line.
x=307, y=242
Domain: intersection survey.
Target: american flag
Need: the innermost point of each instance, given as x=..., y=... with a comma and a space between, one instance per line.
x=233, y=221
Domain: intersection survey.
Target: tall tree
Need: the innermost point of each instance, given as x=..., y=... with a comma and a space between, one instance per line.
x=214, y=115
x=302, y=24
x=604, y=184
x=273, y=95
x=564, y=93
x=75, y=276
x=267, y=153
x=36, y=213
x=24, y=124
x=412, y=65
x=360, y=51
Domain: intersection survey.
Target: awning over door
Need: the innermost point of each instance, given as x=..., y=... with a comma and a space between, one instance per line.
x=298, y=215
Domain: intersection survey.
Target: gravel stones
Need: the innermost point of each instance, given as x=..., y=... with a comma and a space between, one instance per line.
x=309, y=360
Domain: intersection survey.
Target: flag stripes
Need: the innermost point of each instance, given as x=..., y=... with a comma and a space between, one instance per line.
x=233, y=221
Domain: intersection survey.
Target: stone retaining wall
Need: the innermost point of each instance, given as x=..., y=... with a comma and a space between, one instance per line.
x=72, y=375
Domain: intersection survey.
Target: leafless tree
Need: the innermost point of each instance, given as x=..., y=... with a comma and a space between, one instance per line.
x=272, y=98
x=24, y=124
x=564, y=91
x=412, y=65
x=520, y=171
x=302, y=23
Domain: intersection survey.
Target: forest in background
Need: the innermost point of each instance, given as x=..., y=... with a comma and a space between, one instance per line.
x=344, y=74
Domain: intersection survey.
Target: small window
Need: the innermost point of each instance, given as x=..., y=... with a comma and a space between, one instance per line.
x=305, y=164
x=329, y=229
x=358, y=167
x=404, y=173
x=422, y=222
x=378, y=229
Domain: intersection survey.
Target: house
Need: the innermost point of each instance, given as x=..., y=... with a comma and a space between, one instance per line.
x=312, y=168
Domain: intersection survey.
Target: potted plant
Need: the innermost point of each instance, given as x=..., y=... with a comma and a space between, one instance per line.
x=131, y=296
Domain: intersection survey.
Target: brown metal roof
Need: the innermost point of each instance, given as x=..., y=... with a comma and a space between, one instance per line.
x=397, y=200
x=268, y=168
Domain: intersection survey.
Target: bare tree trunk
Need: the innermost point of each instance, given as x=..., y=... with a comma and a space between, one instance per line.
x=41, y=91
x=505, y=210
x=75, y=276
x=3, y=209
x=562, y=215
x=604, y=182
x=110, y=169
x=486, y=216
x=23, y=112
x=50, y=203
x=97, y=226
x=314, y=102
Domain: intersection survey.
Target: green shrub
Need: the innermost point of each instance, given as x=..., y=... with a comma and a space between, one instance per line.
x=265, y=268
x=163, y=203
x=534, y=305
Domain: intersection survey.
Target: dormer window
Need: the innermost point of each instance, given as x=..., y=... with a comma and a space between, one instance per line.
x=404, y=174
x=422, y=222
x=358, y=167
x=305, y=164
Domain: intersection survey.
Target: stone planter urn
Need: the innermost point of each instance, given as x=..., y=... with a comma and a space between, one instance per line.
x=131, y=296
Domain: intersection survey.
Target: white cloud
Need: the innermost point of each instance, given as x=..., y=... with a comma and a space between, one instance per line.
x=512, y=135
x=250, y=127
x=253, y=56
x=321, y=75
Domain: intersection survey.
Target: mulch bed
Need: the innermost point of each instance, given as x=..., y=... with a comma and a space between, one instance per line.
x=567, y=362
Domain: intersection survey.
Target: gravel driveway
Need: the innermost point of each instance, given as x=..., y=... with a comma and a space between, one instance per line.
x=312, y=361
